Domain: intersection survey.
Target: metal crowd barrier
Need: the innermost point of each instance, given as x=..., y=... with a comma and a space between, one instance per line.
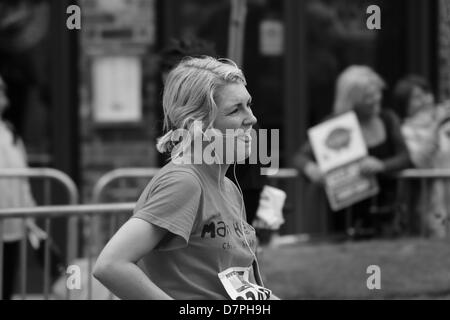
x=428, y=182
x=105, y=184
x=119, y=174
x=424, y=174
x=74, y=211
x=113, y=210
x=425, y=180
x=122, y=175
x=133, y=173
x=47, y=175
x=414, y=211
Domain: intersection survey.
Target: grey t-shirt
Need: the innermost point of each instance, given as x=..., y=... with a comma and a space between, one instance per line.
x=206, y=234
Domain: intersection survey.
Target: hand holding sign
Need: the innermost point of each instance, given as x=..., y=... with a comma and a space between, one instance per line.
x=313, y=172
x=371, y=166
x=343, y=163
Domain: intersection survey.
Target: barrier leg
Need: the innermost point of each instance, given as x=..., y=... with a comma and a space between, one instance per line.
x=90, y=253
x=447, y=213
x=23, y=262
x=425, y=205
x=47, y=260
x=68, y=262
x=112, y=229
x=1, y=259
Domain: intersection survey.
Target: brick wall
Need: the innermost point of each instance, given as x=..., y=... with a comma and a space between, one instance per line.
x=107, y=148
x=104, y=148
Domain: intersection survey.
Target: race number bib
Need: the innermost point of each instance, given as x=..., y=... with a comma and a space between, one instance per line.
x=236, y=283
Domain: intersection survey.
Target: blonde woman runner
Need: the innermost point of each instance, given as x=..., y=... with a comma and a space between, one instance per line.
x=189, y=227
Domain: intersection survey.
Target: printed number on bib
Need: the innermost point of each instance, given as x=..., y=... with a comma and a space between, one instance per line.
x=236, y=283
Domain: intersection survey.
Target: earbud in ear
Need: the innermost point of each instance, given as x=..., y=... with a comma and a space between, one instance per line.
x=197, y=129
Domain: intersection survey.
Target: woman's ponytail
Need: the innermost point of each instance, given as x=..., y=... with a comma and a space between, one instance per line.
x=164, y=144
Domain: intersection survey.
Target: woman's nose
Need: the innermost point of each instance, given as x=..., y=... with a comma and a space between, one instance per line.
x=428, y=100
x=250, y=118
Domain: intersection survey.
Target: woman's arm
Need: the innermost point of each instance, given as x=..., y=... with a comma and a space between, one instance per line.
x=401, y=159
x=304, y=161
x=422, y=144
x=116, y=267
x=303, y=156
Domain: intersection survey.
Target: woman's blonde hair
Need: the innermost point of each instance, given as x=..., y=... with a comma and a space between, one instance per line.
x=352, y=85
x=190, y=94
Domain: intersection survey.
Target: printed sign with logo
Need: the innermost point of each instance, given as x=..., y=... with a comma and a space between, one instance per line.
x=339, y=148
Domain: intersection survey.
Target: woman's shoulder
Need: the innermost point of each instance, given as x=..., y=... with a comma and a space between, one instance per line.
x=172, y=183
x=231, y=186
x=10, y=127
x=391, y=121
x=182, y=174
x=172, y=180
x=388, y=115
x=232, y=189
x=9, y=136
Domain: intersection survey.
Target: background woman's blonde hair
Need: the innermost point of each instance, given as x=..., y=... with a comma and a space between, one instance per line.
x=190, y=94
x=352, y=85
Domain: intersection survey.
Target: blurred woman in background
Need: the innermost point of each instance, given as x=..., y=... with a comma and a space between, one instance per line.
x=13, y=193
x=414, y=103
x=424, y=128
x=360, y=89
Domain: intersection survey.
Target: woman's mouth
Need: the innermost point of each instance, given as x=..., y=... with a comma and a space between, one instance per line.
x=247, y=138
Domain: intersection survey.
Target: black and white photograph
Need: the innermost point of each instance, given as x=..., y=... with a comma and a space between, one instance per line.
x=205, y=150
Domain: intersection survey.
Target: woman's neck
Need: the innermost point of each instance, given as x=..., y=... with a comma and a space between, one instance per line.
x=215, y=170
x=368, y=121
x=220, y=170
x=374, y=131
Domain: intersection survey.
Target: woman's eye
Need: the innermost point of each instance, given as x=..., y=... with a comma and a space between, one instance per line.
x=234, y=111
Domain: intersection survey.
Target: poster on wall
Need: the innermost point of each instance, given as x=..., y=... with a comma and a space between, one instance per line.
x=339, y=148
x=117, y=89
x=118, y=26
x=271, y=36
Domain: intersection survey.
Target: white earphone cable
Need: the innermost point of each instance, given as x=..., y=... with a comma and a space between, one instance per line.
x=257, y=272
x=258, y=275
